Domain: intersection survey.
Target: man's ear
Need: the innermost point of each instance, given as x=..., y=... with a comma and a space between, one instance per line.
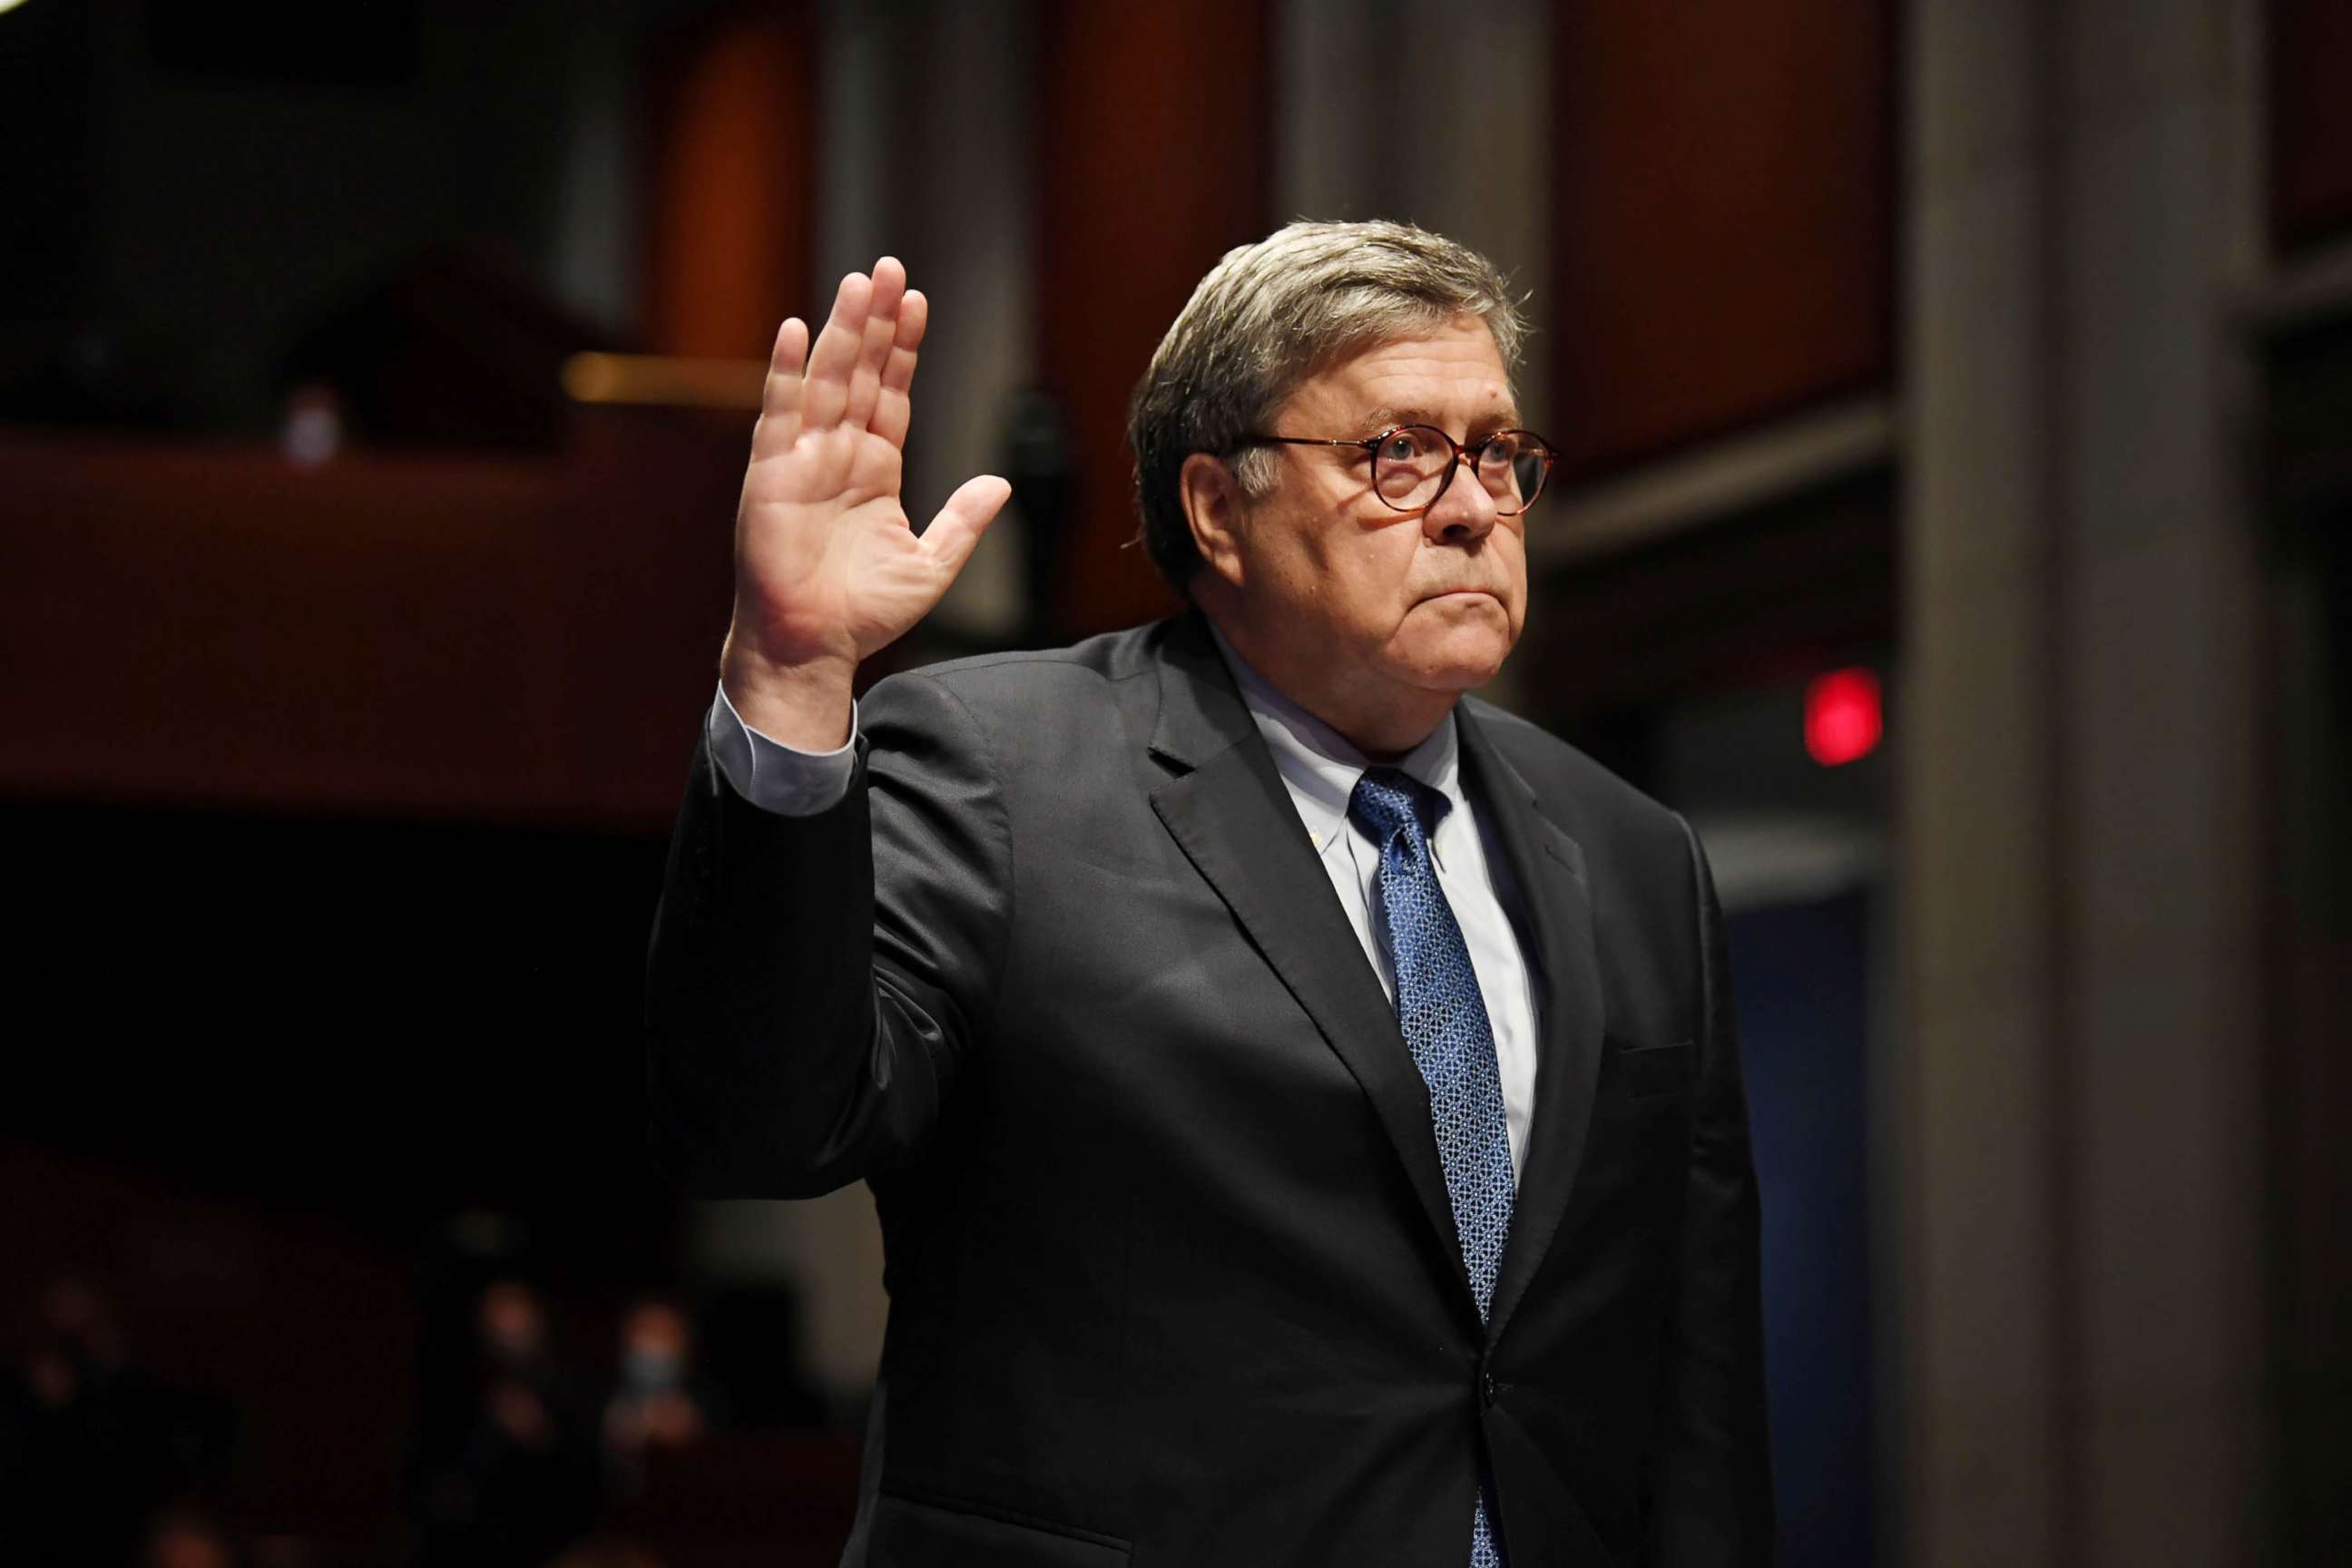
x=1213, y=504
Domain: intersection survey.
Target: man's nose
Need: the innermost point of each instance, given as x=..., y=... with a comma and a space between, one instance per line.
x=1465, y=513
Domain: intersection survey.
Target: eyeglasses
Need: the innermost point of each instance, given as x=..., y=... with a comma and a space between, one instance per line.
x=1414, y=464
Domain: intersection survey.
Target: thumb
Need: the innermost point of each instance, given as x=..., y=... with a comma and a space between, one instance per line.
x=949, y=541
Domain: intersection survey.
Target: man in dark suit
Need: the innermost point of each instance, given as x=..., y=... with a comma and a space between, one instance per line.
x=1300, y=1100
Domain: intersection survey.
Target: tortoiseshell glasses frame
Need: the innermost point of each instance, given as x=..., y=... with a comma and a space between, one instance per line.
x=1526, y=463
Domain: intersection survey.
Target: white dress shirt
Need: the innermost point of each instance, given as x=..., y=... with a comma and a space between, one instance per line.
x=1319, y=770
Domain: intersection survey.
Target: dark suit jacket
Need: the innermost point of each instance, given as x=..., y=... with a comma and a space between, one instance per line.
x=1171, y=1268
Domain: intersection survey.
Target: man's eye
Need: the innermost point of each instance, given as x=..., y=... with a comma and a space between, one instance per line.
x=1401, y=447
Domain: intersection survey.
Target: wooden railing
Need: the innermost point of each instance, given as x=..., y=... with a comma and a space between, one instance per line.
x=511, y=637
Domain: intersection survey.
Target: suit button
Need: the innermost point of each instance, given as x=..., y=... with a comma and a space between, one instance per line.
x=1486, y=1389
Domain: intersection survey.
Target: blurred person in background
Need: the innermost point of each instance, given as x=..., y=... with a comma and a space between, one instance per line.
x=656, y=1402
x=511, y=1330
x=92, y=1444
x=519, y=1479
x=1300, y=1100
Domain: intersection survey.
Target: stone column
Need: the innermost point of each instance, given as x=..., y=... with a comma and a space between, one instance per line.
x=2078, y=1094
x=2161, y=1023
x=1976, y=884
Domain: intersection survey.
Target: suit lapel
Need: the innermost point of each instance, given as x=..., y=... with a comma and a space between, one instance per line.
x=1548, y=866
x=1227, y=810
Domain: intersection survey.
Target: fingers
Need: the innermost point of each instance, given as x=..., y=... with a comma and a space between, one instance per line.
x=826, y=391
x=950, y=539
x=881, y=329
x=780, y=396
x=893, y=410
x=867, y=347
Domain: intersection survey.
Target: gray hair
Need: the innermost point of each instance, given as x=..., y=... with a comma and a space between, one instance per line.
x=1270, y=315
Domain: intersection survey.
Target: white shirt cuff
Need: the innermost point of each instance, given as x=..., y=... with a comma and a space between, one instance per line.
x=774, y=776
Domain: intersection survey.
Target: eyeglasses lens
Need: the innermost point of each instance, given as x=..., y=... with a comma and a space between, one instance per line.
x=1410, y=467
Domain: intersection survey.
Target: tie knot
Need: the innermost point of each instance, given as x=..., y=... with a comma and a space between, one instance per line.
x=1386, y=799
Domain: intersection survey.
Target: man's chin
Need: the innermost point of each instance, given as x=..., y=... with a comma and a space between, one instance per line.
x=1459, y=663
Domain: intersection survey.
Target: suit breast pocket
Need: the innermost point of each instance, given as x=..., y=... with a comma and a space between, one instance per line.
x=915, y=1533
x=1647, y=1071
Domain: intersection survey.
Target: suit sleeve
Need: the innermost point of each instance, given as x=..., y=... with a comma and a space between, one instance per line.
x=1709, y=1487
x=816, y=982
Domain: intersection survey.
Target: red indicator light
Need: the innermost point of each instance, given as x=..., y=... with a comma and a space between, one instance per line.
x=1842, y=717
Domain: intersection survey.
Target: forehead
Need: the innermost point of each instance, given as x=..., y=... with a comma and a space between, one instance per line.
x=1447, y=370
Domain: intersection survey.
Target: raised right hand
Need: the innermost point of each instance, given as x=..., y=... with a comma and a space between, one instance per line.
x=827, y=569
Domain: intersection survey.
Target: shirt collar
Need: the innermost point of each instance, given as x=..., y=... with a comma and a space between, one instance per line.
x=1320, y=767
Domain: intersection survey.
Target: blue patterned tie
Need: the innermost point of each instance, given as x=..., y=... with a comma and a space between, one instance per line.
x=1444, y=1019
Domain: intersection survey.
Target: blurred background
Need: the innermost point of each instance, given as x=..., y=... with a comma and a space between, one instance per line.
x=1955, y=522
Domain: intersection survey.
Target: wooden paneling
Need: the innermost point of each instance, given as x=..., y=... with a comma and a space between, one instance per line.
x=1723, y=197
x=488, y=638
x=2311, y=121
x=1151, y=165
x=729, y=195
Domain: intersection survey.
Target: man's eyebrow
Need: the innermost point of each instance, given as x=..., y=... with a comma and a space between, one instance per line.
x=1387, y=416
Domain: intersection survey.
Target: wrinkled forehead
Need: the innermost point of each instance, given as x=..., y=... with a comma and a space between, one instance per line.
x=1450, y=373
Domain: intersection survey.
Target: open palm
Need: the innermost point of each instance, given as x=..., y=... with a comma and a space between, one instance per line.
x=828, y=568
